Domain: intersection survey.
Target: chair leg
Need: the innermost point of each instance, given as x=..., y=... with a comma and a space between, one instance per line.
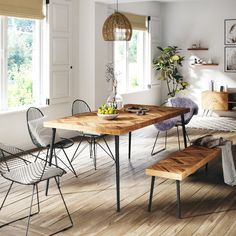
x=95, y=153
x=75, y=153
x=32, y=199
x=71, y=166
x=5, y=198
x=91, y=147
x=68, y=213
x=178, y=136
x=110, y=154
x=24, y=217
x=186, y=133
x=151, y=194
x=154, y=153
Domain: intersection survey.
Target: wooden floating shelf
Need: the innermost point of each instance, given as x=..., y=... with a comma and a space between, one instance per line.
x=212, y=64
x=197, y=49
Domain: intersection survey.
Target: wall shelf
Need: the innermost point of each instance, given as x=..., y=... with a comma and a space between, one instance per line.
x=212, y=64
x=197, y=49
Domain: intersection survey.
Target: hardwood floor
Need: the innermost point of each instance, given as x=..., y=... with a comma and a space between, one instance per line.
x=208, y=205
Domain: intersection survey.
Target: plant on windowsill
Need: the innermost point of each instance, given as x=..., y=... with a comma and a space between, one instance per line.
x=168, y=63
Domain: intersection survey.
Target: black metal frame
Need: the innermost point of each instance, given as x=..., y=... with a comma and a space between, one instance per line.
x=154, y=145
x=38, y=208
x=178, y=200
x=90, y=138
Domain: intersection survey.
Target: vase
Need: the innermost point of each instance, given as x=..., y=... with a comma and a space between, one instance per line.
x=115, y=99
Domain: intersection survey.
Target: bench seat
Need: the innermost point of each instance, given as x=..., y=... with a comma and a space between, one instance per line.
x=179, y=165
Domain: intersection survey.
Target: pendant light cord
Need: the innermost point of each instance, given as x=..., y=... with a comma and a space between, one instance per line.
x=116, y=5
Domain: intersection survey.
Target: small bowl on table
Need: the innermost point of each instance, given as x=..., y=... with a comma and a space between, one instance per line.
x=108, y=116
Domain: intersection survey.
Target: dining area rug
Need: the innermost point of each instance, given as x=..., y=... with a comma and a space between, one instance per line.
x=227, y=124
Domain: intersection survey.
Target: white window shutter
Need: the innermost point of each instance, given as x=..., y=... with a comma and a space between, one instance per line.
x=60, y=70
x=155, y=30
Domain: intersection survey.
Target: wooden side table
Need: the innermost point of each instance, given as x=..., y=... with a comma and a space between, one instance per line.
x=219, y=101
x=215, y=101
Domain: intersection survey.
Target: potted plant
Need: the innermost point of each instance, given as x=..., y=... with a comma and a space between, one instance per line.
x=168, y=63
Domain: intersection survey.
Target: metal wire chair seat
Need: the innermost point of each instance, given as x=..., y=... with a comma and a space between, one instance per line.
x=32, y=173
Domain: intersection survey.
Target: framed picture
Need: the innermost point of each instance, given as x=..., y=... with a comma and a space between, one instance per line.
x=230, y=59
x=230, y=32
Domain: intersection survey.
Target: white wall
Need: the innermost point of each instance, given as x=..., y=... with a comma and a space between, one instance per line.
x=86, y=43
x=101, y=56
x=185, y=23
x=104, y=54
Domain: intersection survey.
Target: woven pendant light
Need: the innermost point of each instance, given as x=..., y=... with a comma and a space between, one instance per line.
x=117, y=27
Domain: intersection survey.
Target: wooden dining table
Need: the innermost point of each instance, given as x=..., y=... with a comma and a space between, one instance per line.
x=125, y=123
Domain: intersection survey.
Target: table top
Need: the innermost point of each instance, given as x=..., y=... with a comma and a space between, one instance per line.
x=124, y=123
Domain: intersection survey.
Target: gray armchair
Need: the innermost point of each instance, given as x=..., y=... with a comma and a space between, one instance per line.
x=175, y=122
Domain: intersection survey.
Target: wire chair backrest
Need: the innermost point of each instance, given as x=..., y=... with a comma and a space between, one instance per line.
x=80, y=106
x=9, y=158
x=33, y=113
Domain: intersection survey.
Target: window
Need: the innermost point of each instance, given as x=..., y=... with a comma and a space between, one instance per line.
x=131, y=62
x=21, y=54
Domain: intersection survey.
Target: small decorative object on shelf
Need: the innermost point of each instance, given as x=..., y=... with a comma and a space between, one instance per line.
x=114, y=99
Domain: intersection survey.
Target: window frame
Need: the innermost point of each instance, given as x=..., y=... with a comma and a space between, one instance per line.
x=146, y=62
x=38, y=85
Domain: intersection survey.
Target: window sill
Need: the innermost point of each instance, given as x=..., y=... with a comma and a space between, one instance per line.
x=136, y=91
x=19, y=110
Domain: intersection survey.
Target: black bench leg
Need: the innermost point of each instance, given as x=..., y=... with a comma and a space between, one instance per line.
x=178, y=199
x=129, y=145
x=206, y=168
x=151, y=193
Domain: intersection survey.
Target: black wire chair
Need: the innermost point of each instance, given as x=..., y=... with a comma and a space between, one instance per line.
x=79, y=107
x=41, y=137
x=24, y=168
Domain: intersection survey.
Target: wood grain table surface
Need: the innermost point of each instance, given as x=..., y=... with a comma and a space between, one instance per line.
x=124, y=123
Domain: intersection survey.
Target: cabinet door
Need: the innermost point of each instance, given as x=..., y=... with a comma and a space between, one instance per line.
x=214, y=101
x=60, y=50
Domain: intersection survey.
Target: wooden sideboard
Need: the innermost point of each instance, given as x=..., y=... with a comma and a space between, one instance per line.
x=219, y=101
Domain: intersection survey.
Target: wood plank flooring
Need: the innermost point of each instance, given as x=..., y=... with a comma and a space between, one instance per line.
x=208, y=205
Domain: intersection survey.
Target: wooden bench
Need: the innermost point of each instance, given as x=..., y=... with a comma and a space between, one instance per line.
x=179, y=165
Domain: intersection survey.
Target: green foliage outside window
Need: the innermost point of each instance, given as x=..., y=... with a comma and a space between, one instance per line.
x=20, y=51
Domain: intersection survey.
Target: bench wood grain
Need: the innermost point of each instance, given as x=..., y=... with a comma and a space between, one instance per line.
x=179, y=165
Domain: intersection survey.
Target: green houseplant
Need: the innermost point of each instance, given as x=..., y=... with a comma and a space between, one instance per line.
x=168, y=63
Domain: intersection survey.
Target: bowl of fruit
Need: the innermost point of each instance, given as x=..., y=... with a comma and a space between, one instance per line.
x=107, y=112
